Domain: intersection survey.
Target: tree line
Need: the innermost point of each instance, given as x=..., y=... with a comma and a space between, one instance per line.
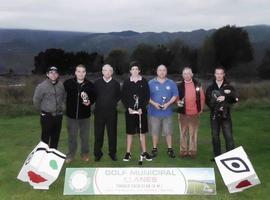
x=228, y=46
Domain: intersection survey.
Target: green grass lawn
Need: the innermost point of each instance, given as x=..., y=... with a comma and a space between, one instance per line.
x=251, y=130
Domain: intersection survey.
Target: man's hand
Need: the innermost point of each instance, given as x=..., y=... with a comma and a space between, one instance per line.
x=86, y=103
x=227, y=91
x=157, y=105
x=130, y=111
x=165, y=106
x=221, y=98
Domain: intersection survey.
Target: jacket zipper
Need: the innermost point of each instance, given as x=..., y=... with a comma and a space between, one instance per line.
x=55, y=99
x=78, y=98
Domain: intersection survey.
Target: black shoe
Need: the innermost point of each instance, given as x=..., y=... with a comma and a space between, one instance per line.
x=170, y=153
x=154, y=152
x=113, y=157
x=146, y=156
x=127, y=157
x=97, y=158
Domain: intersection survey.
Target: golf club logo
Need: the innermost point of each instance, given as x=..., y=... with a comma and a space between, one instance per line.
x=235, y=164
x=79, y=181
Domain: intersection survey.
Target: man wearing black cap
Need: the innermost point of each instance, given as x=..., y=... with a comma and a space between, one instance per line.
x=49, y=98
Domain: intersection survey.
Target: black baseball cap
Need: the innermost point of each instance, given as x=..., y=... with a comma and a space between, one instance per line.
x=52, y=68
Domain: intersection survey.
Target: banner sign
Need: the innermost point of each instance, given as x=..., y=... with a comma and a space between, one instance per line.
x=139, y=181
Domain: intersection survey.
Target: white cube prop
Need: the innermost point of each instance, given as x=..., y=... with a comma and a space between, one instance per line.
x=42, y=166
x=236, y=170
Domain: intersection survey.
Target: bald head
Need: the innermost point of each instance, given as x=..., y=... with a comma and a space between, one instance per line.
x=161, y=71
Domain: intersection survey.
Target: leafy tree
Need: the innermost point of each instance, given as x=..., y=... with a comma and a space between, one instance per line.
x=119, y=59
x=232, y=46
x=145, y=55
x=181, y=56
x=264, y=68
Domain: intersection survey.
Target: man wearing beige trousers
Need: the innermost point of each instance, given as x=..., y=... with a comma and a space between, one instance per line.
x=190, y=106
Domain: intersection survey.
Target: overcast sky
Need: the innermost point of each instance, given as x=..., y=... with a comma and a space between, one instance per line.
x=137, y=15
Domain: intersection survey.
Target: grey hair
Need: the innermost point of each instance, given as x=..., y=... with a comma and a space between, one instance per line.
x=107, y=66
x=187, y=69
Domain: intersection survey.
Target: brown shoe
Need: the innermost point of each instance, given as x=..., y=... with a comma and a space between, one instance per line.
x=182, y=154
x=85, y=158
x=68, y=160
x=193, y=154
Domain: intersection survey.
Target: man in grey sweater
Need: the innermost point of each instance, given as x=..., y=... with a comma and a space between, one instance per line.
x=49, y=99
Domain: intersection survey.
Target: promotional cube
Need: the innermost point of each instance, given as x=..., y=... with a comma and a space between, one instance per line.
x=42, y=166
x=236, y=170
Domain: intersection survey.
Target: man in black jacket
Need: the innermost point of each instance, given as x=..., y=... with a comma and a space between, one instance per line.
x=80, y=97
x=108, y=94
x=219, y=96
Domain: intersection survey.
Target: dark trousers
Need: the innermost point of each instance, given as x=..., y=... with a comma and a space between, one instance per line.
x=106, y=119
x=74, y=127
x=50, y=129
x=226, y=125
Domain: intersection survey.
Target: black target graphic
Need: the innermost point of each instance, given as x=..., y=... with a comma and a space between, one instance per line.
x=235, y=164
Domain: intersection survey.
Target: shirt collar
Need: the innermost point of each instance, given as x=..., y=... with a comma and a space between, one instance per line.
x=139, y=79
x=156, y=80
x=107, y=81
x=188, y=81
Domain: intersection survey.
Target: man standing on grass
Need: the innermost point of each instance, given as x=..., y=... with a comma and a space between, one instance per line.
x=49, y=98
x=108, y=94
x=190, y=106
x=163, y=93
x=219, y=96
x=80, y=97
x=135, y=98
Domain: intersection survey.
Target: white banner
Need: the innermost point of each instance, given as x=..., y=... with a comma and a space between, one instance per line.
x=135, y=181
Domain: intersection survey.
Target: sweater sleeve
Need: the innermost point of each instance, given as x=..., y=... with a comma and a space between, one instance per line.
x=91, y=92
x=231, y=98
x=38, y=95
x=118, y=91
x=146, y=93
x=124, y=94
x=202, y=98
x=209, y=100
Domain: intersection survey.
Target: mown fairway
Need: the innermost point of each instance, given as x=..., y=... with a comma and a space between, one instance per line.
x=251, y=130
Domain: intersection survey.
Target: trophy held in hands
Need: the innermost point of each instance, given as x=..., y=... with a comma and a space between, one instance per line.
x=84, y=97
x=163, y=102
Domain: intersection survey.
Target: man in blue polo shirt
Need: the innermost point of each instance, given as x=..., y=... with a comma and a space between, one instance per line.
x=163, y=93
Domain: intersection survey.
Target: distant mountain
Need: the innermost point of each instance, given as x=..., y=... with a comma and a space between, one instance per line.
x=19, y=46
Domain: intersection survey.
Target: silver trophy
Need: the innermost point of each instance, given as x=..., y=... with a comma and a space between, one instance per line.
x=181, y=102
x=136, y=104
x=84, y=97
x=163, y=102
